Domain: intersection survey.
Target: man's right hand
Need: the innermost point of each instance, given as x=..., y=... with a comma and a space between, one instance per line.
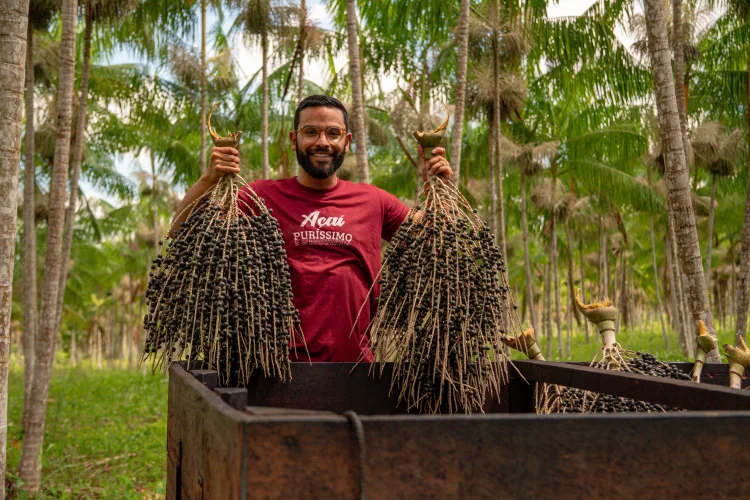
x=223, y=161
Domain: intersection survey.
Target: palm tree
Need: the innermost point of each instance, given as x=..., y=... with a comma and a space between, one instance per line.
x=303, y=15
x=13, y=23
x=29, y=467
x=679, y=66
x=529, y=158
x=256, y=21
x=95, y=11
x=203, y=87
x=40, y=13
x=29, y=229
x=460, y=100
x=548, y=198
x=741, y=9
x=656, y=272
x=717, y=152
x=358, y=104
x=679, y=199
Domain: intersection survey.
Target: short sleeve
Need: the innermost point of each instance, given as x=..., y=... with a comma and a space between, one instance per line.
x=394, y=213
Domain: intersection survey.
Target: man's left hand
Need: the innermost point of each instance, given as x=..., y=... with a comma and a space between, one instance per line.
x=437, y=165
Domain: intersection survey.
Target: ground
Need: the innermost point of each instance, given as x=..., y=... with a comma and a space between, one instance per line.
x=106, y=428
x=105, y=435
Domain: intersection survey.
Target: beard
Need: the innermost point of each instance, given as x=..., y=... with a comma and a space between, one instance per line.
x=304, y=160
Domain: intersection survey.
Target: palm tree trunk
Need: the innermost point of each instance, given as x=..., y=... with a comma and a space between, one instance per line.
x=124, y=346
x=358, y=106
x=301, y=71
x=133, y=321
x=744, y=276
x=75, y=171
x=733, y=279
x=656, y=285
x=203, y=87
x=679, y=66
x=491, y=163
x=547, y=307
x=264, y=108
x=109, y=335
x=14, y=23
x=99, y=361
x=500, y=220
x=526, y=257
x=600, y=267
x=73, y=349
x=154, y=210
x=424, y=113
x=605, y=257
x=624, y=306
x=583, y=284
x=676, y=175
x=458, y=121
x=676, y=291
x=556, y=279
x=709, y=245
x=29, y=467
x=29, y=233
x=302, y=41
x=571, y=307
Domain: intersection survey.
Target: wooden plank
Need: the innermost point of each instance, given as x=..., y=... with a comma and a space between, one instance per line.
x=301, y=457
x=712, y=373
x=266, y=411
x=520, y=396
x=236, y=397
x=210, y=436
x=674, y=393
x=338, y=387
x=333, y=387
x=503, y=456
x=209, y=378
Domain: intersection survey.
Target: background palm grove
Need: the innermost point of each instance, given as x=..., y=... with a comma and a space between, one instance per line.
x=608, y=150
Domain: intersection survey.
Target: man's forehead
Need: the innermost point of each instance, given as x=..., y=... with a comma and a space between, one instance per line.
x=321, y=116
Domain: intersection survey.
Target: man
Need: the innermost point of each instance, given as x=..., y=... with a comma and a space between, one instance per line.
x=332, y=229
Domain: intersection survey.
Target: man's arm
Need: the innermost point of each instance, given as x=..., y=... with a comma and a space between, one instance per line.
x=223, y=160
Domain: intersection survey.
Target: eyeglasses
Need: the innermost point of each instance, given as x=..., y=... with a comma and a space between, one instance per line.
x=312, y=133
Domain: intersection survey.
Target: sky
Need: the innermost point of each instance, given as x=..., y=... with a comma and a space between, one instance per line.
x=249, y=62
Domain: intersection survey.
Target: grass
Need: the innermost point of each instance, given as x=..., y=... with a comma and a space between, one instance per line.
x=106, y=429
x=105, y=433
x=649, y=340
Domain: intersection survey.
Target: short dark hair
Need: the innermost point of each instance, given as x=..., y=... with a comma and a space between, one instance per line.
x=317, y=101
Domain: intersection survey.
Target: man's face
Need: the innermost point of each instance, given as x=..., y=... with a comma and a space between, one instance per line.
x=321, y=157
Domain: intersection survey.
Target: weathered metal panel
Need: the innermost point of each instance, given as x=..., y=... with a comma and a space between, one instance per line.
x=674, y=393
x=215, y=451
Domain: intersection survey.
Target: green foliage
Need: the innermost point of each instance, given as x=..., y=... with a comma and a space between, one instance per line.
x=104, y=436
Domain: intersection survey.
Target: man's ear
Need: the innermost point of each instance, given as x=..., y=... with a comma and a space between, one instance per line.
x=348, y=143
x=293, y=139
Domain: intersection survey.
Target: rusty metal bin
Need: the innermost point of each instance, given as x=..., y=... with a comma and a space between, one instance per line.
x=289, y=440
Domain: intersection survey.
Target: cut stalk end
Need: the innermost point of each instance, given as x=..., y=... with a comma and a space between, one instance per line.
x=739, y=358
x=603, y=315
x=232, y=140
x=525, y=343
x=706, y=344
x=433, y=138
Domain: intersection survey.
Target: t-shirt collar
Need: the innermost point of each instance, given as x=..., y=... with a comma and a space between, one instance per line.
x=316, y=190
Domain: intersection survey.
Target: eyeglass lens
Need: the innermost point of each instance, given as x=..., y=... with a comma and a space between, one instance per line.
x=311, y=134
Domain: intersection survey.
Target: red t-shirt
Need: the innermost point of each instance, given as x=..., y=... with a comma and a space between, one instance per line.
x=332, y=241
